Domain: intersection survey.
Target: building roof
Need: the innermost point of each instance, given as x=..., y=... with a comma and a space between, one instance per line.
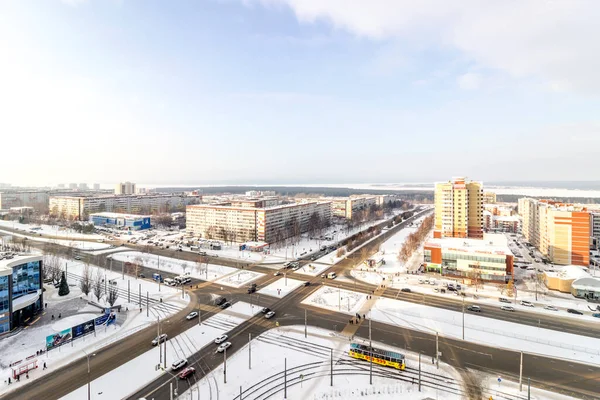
x=6, y=266
x=119, y=215
x=490, y=244
x=568, y=272
x=588, y=283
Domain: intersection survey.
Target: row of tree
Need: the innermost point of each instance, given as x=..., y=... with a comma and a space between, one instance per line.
x=415, y=239
x=98, y=286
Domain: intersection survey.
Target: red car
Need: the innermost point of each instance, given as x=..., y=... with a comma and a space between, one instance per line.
x=187, y=372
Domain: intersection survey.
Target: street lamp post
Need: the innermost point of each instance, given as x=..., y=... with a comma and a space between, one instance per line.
x=89, y=390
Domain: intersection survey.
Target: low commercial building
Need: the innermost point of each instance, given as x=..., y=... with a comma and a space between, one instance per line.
x=487, y=259
x=127, y=221
x=562, y=278
x=586, y=288
x=21, y=296
x=241, y=222
x=80, y=207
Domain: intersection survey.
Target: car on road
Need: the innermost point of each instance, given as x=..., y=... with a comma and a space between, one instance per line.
x=597, y=315
x=223, y=347
x=405, y=290
x=191, y=315
x=265, y=310
x=251, y=289
x=527, y=303
x=573, y=311
x=221, y=339
x=474, y=308
x=507, y=308
x=270, y=314
x=551, y=308
x=306, y=283
x=178, y=364
x=225, y=305
x=220, y=301
x=202, y=253
x=159, y=339
x=504, y=300
x=277, y=273
x=77, y=257
x=186, y=373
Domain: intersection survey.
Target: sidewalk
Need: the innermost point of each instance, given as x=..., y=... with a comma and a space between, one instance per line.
x=351, y=328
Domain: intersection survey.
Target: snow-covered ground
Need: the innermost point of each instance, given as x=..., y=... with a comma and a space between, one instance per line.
x=175, y=266
x=80, y=244
x=336, y=299
x=142, y=369
x=485, y=330
x=239, y=278
x=312, y=269
x=281, y=287
x=48, y=230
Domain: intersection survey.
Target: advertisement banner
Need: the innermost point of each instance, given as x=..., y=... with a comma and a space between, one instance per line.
x=58, y=339
x=83, y=329
x=101, y=320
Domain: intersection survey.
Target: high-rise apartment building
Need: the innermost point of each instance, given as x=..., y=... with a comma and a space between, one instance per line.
x=125, y=188
x=96, y=186
x=559, y=231
x=459, y=209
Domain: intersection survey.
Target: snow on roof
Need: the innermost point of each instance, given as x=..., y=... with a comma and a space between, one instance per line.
x=570, y=272
x=119, y=215
x=256, y=244
x=7, y=265
x=586, y=283
x=490, y=244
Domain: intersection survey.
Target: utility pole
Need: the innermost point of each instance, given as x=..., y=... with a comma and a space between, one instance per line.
x=171, y=389
x=305, y=324
x=249, y=351
x=521, y=373
x=331, y=367
x=147, y=304
x=159, y=341
x=128, y=291
x=528, y=388
x=140, y=294
x=285, y=378
x=199, y=315
x=165, y=357
x=225, y=366
x=437, y=350
x=122, y=269
x=463, y=317
x=339, y=298
x=419, y=372
x=370, y=354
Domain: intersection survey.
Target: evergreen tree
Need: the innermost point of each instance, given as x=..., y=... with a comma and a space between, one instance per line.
x=63, y=290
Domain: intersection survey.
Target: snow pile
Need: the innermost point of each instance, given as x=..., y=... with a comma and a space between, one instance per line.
x=336, y=299
x=239, y=278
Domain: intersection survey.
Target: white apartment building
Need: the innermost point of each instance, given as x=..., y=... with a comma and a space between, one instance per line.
x=243, y=222
x=80, y=207
x=37, y=199
x=344, y=207
x=125, y=188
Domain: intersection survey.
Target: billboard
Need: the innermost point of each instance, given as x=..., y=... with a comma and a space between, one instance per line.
x=58, y=339
x=101, y=320
x=83, y=329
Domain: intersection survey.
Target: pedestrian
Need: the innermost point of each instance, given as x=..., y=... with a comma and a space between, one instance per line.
x=46, y=305
x=59, y=315
x=44, y=365
x=9, y=380
x=27, y=375
x=432, y=359
x=52, y=317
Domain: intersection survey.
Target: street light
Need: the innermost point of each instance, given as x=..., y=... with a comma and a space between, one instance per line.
x=88, y=369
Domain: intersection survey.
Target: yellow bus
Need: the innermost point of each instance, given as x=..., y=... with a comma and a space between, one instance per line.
x=381, y=357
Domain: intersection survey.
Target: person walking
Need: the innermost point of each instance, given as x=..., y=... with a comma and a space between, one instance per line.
x=44, y=366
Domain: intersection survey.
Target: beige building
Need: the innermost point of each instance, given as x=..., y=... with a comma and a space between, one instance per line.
x=345, y=207
x=559, y=231
x=242, y=221
x=489, y=198
x=80, y=207
x=125, y=188
x=458, y=209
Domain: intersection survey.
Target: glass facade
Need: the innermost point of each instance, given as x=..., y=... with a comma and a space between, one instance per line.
x=26, y=279
x=4, y=304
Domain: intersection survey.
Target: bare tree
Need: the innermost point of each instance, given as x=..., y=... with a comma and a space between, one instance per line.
x=98, y=285
x=85, y=284
x=112, y=295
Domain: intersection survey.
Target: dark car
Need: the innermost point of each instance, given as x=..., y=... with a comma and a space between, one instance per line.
x=265, y=310
x=572, y=311
x=220, y=301
x=251, y=289
x=306, y=283
x=597, y=315
x=405, y=290
x=225, y=305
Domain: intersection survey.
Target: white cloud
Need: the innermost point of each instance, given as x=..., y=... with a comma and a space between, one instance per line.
x=554, y=42
x=469, y=81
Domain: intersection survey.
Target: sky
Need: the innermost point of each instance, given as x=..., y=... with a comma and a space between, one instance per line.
x=298, y=91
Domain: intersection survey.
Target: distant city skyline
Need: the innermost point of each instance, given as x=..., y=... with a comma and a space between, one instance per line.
x=240, y=91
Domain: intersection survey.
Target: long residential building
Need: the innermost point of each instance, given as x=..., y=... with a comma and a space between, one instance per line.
x=26, y=198
x=80, y=207
x=241, y=222
x=559, y=231
x=346, y=207
x=458, y=209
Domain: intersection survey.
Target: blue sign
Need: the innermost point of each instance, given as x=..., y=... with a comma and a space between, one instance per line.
x=499, y=379
x=101, y=320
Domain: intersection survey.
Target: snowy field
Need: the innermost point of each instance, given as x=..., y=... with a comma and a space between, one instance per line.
x=48, y=230
x=175, y=266
x=308, y=372
x=336, y=299
x=281, y=287
x=312, y=269
x=239, y=278
x=488, y=331
x=141, y=370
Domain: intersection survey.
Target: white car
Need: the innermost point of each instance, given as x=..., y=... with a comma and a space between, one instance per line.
x=178, y=364
x=159, y=339
x=221, y=339
x=277, y=273
x=432, y=282
x=551, y=308
x=223, y=347
x=191, y=315
x=507, y=308
x=270, y=314
x=527, y=303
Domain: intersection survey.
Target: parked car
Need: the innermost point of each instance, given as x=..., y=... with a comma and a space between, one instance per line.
x=220, y=301
x=306, y=283
x=186, y=373
x=507, y=308
x=223, y=347
x=159, y=339
x=270, y=314
x=178, y=364
x=225, y=305
x=77, y=257
x=527, y=303
x=405, y=290
x=251, y=289
x=551, y=308
x=191, y=315
x=573, y=311
x=474, y=308
x=221, y=339
x=504, y=300
x=265, y=310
